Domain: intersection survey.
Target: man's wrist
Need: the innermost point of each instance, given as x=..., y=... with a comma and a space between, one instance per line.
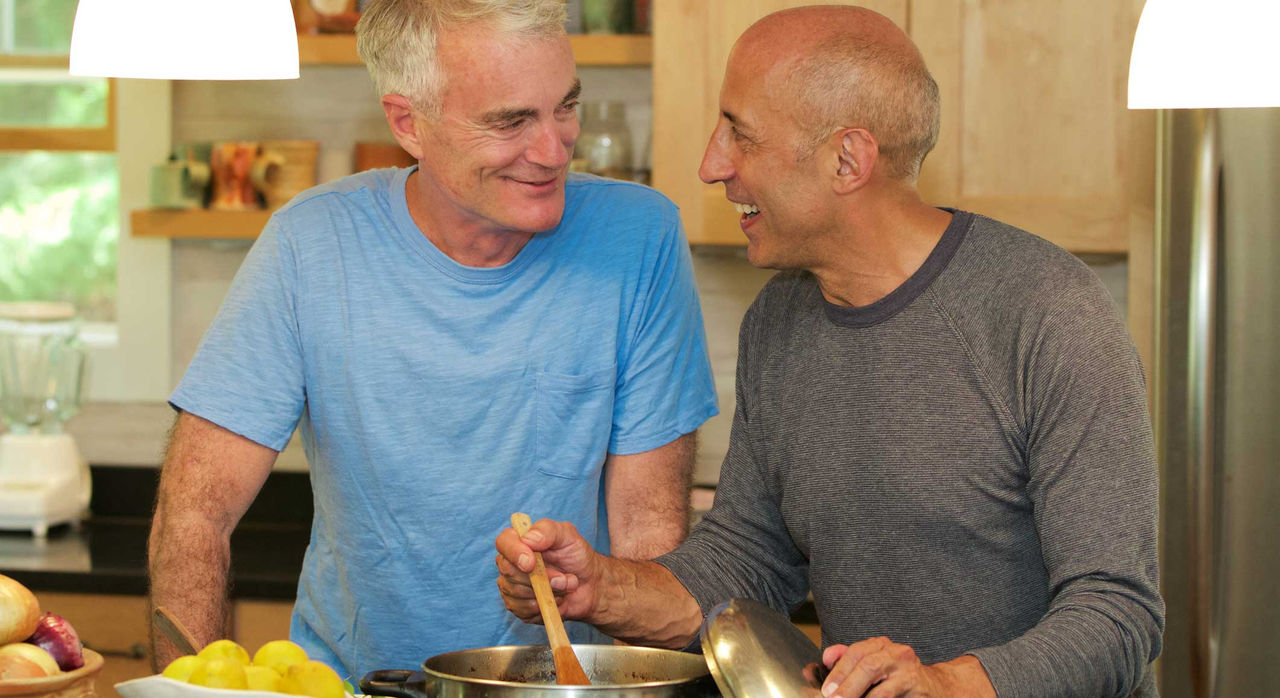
x=642, y=601
x=966, y=676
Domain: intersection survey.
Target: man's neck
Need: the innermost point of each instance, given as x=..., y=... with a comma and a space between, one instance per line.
x=467, y=242
x=878, y=248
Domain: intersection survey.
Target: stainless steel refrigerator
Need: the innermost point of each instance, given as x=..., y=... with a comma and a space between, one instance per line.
x=1216, y=400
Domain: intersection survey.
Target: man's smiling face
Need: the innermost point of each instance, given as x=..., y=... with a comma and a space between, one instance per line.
x=755, y=152
x=498, y=154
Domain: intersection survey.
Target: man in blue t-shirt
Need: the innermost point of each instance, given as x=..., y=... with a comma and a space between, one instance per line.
x=477, y=335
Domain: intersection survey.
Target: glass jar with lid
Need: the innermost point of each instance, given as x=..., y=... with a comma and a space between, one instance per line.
x=604, y=145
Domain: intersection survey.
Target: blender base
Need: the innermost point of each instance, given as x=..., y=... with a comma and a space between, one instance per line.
x=43, y=482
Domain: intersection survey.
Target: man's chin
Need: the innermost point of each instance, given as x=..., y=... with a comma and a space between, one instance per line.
x=538, y=215
x=539, y=224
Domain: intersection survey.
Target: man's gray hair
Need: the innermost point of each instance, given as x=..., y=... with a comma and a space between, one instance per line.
x=397, y=39
x=844, y=82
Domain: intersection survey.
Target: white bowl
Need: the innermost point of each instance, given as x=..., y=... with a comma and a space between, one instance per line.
x=157, y=686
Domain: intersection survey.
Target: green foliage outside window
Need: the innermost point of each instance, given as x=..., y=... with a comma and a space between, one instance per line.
x=36, y=26
x=58, y=229
x=59, y=211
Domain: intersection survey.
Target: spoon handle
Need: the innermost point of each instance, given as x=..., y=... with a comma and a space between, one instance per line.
x=174, y=630
x=568, y=669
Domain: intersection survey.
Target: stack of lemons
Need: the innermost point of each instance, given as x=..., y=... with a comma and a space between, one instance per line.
x=279, y=666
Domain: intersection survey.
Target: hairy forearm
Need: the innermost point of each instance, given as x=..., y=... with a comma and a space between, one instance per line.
x=188, y=561
x=641, y=602
x=648, y=499
x=209, y=478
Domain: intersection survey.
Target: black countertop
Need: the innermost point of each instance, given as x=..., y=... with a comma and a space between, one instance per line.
x=110, y=557
x=107, y=553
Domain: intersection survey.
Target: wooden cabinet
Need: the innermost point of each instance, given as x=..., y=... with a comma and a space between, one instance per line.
x=255, y=622
x=117, y=626
x=1035, y=130
x=114, y=626
x=1035, y=127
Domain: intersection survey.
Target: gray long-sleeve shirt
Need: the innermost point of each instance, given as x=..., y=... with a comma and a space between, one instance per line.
x=965, y=466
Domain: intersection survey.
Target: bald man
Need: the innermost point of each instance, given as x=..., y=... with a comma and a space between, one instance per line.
x=941, y=426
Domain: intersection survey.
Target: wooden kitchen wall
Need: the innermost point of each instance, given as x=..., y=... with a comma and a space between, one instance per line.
x=1035, y=130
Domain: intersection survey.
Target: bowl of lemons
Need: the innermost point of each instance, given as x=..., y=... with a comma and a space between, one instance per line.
x=225, y=669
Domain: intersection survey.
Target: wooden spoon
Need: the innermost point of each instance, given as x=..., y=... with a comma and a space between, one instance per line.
x=568, y=670
x=173, y=629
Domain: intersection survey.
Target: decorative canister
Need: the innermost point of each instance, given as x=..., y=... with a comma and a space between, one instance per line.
x=604, y=146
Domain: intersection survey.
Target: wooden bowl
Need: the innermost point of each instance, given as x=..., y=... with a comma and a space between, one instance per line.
x=77, y=683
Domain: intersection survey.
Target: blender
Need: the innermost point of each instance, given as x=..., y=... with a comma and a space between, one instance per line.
x=43, y=479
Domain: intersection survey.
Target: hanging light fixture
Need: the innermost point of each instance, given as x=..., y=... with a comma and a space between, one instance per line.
x=185, y=39
x=1198, y=54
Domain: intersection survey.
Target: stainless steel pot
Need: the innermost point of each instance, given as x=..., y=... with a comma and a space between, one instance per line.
x=528, y=672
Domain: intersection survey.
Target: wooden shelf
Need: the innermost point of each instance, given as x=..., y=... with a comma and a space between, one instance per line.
x=588, y=49
x=198, y=224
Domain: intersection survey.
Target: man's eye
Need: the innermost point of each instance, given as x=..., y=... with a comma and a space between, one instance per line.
x=511, y=125
x=737, y=135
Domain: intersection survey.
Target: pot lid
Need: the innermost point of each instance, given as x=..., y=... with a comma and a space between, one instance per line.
x=754, y=651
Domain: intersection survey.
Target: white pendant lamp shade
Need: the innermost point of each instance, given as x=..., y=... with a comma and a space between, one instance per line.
x=185, y=39
x=1201, y=54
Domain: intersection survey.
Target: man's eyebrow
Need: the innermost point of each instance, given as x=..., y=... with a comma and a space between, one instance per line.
x=574, y=92
x=728, y=115
x=499, y=116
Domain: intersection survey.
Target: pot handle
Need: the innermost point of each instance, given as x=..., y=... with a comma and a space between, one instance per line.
x=393, y=682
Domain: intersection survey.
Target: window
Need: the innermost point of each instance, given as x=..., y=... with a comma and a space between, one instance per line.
x=64, y=194
x=59, y=189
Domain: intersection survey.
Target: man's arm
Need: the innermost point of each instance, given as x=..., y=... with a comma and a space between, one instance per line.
x=210, y=477
x=647, y=495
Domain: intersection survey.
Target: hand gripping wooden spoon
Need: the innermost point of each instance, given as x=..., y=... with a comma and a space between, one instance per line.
x=568, y=670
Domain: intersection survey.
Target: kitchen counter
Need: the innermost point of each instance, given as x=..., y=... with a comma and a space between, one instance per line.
x=110, y=557
x=107, y=553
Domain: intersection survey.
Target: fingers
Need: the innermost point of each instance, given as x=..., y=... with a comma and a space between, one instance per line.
x=832, y=654
x=514, y=550
x=875, y=668
x=858, y=667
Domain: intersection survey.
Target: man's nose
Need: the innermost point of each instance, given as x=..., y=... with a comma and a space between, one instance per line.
x=715, y=166
x=552, y=144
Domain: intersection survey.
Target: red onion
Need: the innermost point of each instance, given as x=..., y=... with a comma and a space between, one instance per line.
x=56, y=636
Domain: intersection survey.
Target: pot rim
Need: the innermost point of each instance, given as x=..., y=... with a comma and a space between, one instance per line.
x=433, y=674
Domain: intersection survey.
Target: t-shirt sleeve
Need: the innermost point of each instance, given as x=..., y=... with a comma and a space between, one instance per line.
x=741, y=548
x=1093, y=485
x=247, y=374
x=664, y=388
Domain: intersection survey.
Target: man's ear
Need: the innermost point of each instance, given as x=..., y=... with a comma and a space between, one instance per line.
x=400, y=117
x=856, y=154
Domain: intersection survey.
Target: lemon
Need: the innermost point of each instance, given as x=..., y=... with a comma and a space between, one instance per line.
x=279, y=655
x=219, y=672
x=225, y=649
x=182, y=667
x=312, y=678
x=262, y=678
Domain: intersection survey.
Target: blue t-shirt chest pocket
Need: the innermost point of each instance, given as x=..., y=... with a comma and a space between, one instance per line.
x=574, y=418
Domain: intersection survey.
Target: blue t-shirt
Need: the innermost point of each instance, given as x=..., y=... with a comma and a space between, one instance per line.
x=435, y=399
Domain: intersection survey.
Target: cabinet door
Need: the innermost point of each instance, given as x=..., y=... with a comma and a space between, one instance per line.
x=114, y=626
x=691, y=43
x=1035, y=128
x=256, y=623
